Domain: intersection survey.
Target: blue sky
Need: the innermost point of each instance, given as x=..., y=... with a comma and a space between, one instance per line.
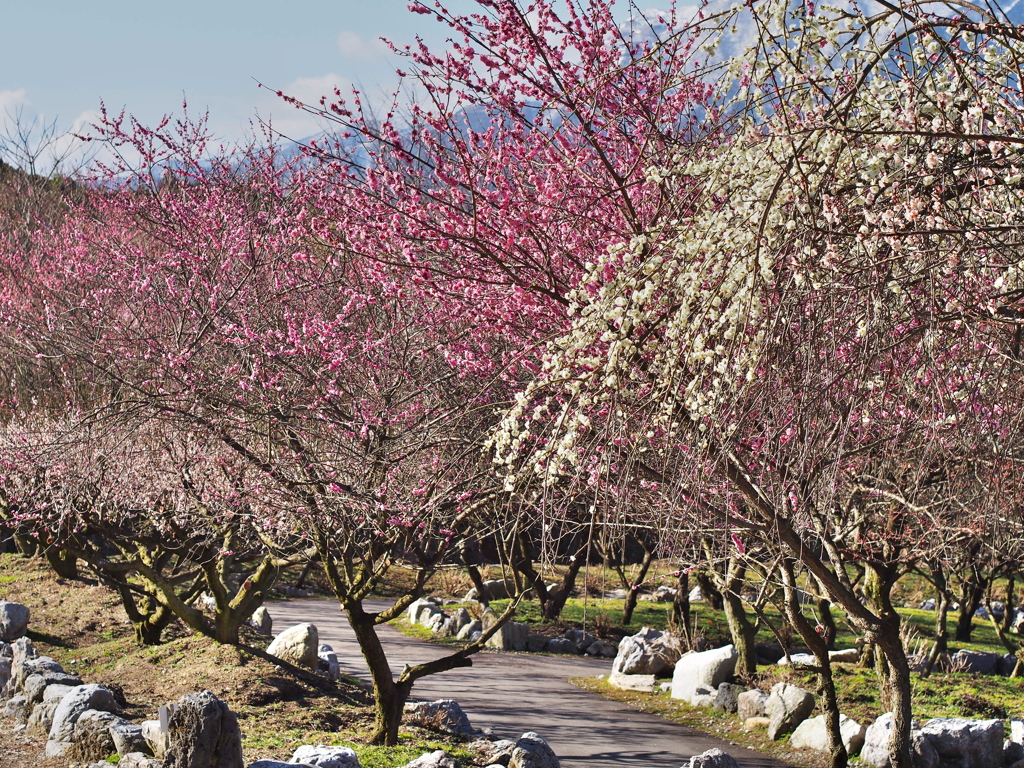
x=61, y=58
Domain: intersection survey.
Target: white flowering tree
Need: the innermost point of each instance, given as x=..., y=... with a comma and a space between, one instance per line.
x=822, y=348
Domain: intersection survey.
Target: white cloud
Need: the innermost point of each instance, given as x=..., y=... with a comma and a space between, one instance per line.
x=355, y=48
x=11, y=99
x=295, y=123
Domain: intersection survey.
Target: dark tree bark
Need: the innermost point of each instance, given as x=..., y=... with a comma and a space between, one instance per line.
x=838, y=756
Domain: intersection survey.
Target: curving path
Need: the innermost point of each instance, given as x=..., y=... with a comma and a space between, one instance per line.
x=511, y=693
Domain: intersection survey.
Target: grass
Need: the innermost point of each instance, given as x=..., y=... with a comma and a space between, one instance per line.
x=604, y=615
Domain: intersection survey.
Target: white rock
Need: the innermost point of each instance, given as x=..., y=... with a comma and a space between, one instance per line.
x=326, y=757
x=963, y=743
x=707, y=669
x=531, y=751
x=812, y=734
x=262, y=622
x=787, y=707
x=442, y=715
x=297, y=645
x=421, y=610
x=159, y=741
x=632, y=682
x=436, y=759
x=71, y=707
x=713, y=758
x=13, y=621
x=648, y=652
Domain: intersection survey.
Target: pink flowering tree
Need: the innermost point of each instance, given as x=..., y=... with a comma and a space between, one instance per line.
x=520, y=158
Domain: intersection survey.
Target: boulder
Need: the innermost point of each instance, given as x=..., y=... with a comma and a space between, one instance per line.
x=648, y=652
x=632, y=682
x=276, y=764
x=696, y=595
x=495, y=752
x=5, y=674
x=702, y=696
x=580, y=638
x=1017, y=731
x=665, y=594
x=756, y=723
x=602, y=649
x=17, y=708
x=707, y=669
x=79, y=700
x=768, y=653
x=327, y=661
x=511, y=636
x=420, y=611
x=798, y=659
x=326, y=757
x=204, y=733
x=727, y=697
x=138, y=760
x=786, y=708
x=1007, y=663
x=92, y=735
x=976, y=662
x=41, y=719
x=297, y=645
x=36, y=684
x=844, y=656
x=261, y=621
x=494, y=589
x=127, y=737
x=13, y=621
x=467, y=631
x=532, y=751
x=713, y=758
x=535, y=643
x=20, y=673
x=812, y=734
x=751, y=704
x=437, y=759
x=561, y=645
x=156, y=739
x=443, y=715
x=963, y=743
x=875, y=751
x=460, y=618
x=928, y=605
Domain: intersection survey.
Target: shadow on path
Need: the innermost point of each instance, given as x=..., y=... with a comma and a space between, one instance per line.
x=511, y=693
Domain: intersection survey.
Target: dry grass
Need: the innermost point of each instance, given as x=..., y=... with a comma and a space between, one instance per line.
x=85, y=628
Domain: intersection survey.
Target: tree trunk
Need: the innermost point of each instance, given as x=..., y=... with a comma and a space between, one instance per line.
x=388, y=696
x=972, y=591
x=890, y=645
x=1009, y=608
x=827, y=622
x=743, y=632
x=681, y=607
x=474, y=575
x=711, y=594
x=26, y=545
x=63, y=563
x=150, y=629
x=632, y=590
x=942, y=603
x=838, y=756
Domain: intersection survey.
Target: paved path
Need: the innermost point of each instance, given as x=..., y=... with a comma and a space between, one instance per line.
x=511, y=693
